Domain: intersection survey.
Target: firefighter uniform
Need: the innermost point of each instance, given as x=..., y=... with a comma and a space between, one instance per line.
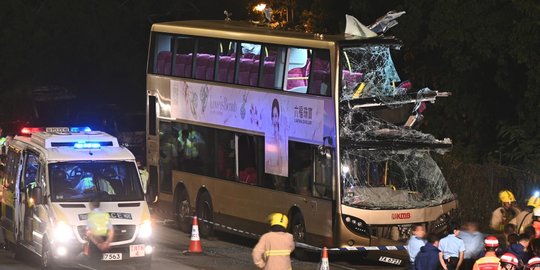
x=273, y=250
x=525, y=218
x=490, y=261
x=502, y=215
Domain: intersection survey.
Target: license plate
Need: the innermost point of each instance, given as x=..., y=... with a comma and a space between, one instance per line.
x=390, y=260
x=112, y=256
x=136, y=250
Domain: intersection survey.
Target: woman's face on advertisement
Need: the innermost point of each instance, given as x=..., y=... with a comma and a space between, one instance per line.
x=275, y=117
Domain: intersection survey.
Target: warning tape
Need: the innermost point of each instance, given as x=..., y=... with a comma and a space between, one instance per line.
x=307, y=246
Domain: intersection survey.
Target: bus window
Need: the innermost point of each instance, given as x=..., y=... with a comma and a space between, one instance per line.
x=162, y=54
x=205, y=59
x=195, y=145
x=248, y=64
x=183, y=57
x=226, y=61
x=273, y=67
x=301, y=167
x=225, y=155
x=323, y=173
x=297, y=70
x=168, y=156
x=247, y=164
x=319, y=81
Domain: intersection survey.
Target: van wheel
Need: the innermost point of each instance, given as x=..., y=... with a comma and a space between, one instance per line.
x=205, y=212
x=298, y=230
x=183, y=212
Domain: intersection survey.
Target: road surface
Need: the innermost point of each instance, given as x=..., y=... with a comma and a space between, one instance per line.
x=224, y=252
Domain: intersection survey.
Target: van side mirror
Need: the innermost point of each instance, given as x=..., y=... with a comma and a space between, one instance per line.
x=37, y=195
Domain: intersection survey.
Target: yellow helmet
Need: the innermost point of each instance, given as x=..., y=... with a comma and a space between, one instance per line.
x=506, y=196
x=534, y=201
x=278, y=219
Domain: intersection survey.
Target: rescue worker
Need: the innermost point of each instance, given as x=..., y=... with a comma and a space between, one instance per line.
x=490, y=260
x=536, y=222
x=509, y=261
x=274, y=248
x=100, y=231
x=506, y=212
x=524, y=218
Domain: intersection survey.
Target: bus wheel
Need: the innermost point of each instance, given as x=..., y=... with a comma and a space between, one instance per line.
x=183, y=212
x=298, y=230
x=205, y=212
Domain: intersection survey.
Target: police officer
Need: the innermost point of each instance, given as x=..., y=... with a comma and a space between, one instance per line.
x=525, y=218
x=274, y=248
x=100, y=232
x=506, y=212
x=452, y=249
x=490, y=260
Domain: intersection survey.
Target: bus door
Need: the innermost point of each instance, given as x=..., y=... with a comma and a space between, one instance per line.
x=27, y=181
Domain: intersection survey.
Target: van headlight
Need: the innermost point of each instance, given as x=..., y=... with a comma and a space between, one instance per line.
x=63, y=232
x=145, y=230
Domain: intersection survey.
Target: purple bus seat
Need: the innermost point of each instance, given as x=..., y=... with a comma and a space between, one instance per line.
x=163, y=65
x=203, y=61
x=225, y=64
x=254, y=73
x=210, y=68
x=296, y=78
x=269, y=74
x=180, y=63
x=244, y=70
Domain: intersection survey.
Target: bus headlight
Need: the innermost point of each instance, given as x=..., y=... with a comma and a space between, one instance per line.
x=63, y=232
x=145, y=230
x=356, y=225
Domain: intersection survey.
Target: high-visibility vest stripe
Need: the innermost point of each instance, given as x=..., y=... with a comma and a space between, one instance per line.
x=278, y=252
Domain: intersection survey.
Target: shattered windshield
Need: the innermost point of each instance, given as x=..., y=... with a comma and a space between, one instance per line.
x=84, y=181
x=384, y=166
x=369, y=71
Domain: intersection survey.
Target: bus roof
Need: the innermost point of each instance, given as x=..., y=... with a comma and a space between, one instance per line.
x=245, y=31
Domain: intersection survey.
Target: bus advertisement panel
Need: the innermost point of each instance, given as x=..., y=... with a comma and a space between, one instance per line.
x=280, y=118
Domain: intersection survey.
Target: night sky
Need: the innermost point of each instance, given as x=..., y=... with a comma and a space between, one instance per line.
x=94, y=54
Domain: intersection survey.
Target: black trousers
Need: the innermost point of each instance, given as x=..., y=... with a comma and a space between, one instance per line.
x=451, y=263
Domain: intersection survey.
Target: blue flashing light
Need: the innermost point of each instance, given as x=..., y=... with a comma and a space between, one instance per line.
x=80, y=129
x=537, y=194
x=86, y=145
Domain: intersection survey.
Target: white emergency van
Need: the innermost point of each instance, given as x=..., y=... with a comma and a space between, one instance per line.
x=48, y=181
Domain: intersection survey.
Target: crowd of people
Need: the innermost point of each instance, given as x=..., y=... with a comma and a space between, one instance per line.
x=513, y=244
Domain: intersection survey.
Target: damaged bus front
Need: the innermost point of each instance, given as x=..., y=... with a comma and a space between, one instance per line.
x=389, y=179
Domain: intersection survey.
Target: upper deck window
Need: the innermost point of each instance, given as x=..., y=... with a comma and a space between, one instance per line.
x=294, y=69
x=368, y=71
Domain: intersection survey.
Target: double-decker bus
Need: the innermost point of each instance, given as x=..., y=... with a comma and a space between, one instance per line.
x=244, y=121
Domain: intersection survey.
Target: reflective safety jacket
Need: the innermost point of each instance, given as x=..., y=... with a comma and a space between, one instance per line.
x=98, y=223
x=273, y=251
x=488, y=262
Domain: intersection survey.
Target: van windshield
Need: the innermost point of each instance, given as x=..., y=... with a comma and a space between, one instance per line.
x=105, y=180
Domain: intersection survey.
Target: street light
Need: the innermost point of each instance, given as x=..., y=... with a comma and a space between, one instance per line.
x=260, y=7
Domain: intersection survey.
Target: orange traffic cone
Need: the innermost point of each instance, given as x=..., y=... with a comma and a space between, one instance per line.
x=325, y=265
x=195, y=244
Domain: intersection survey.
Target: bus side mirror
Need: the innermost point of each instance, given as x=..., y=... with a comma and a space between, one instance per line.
x=37, y=195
